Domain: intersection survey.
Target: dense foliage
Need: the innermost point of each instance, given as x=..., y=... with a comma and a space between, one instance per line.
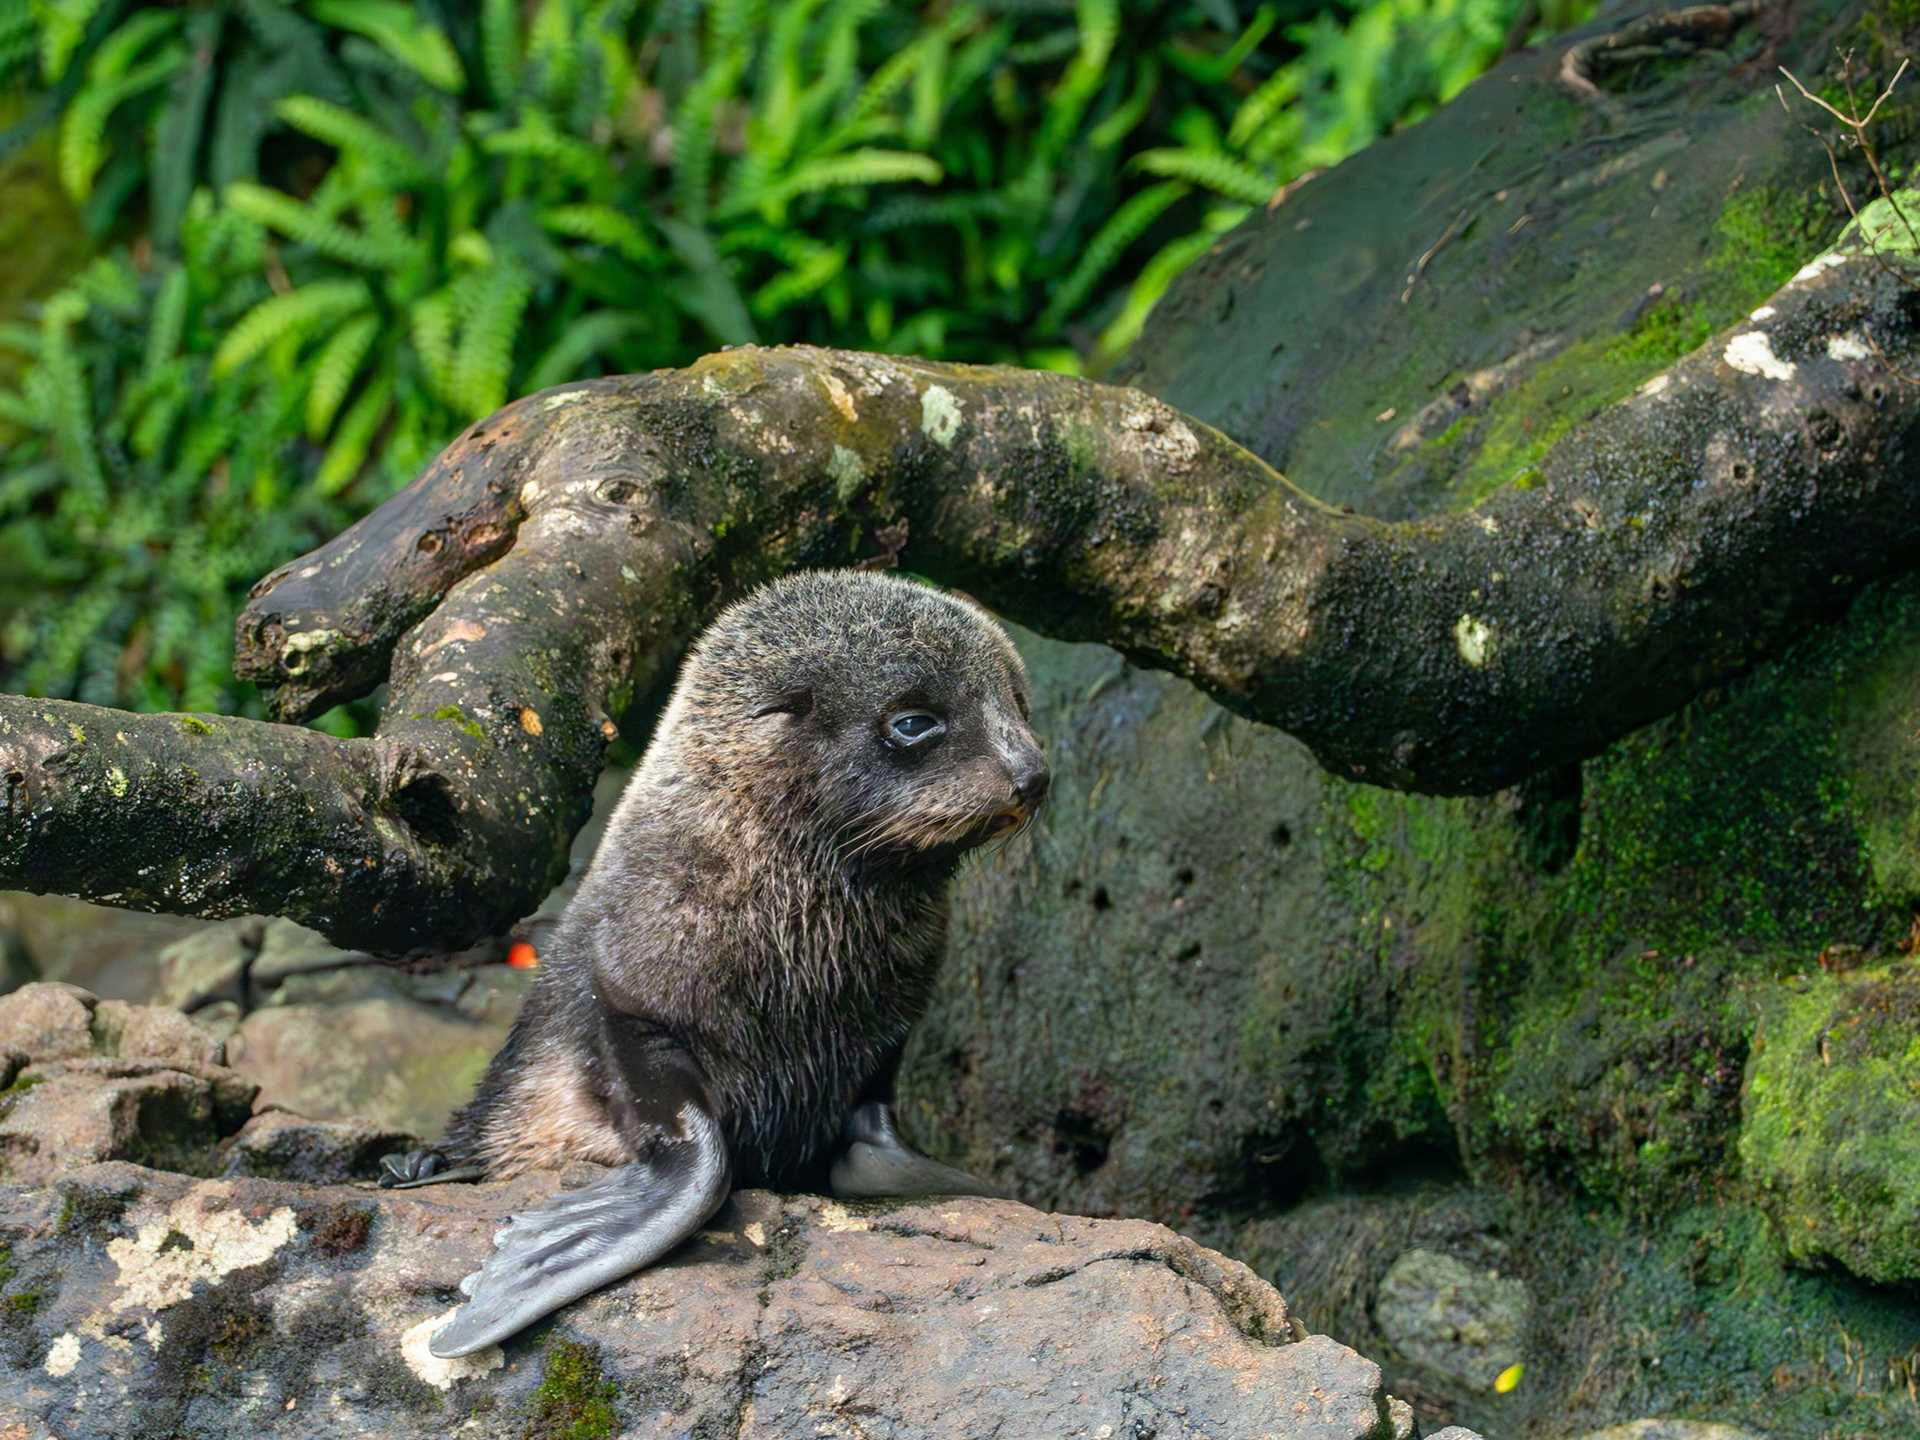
x=335, y=231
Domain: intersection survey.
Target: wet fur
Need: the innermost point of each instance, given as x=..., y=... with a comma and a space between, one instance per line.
x=771, y=890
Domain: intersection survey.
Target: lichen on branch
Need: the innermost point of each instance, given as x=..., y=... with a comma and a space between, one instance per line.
x=553, y=563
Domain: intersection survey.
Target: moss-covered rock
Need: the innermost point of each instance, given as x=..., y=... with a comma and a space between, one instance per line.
x=1830, y=1126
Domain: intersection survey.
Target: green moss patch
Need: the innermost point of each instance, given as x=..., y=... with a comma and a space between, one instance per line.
x=574, y=1400
x=1831, y=1116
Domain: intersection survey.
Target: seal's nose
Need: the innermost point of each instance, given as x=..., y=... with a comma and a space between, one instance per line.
x=1030, y=783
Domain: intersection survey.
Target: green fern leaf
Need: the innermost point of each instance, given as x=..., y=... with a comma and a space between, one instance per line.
x=1154, y=278
x=83, y=127
x=167, y=323
x=1099, y=22
x=347, y=456
x=297, y=312
x=1109, y=243
x=394, y=162
x=853, y=169
x=400, y=32
x=484, y=362
x=334, y=369
x=567, y=357
x=63, y=26
x=71, y=412
x=430, y=325
x=300, y=221
x=603, y=225
x=500, y=48
x=1210, y=170
x=792, y=286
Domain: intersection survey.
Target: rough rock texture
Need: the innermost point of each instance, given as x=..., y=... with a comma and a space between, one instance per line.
x=90, y=1080
x=1666, y=1430
x=1461, y=1322
x=139, y=1304
x=1831, y=1119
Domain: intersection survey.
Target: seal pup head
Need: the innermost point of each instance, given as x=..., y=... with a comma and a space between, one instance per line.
x=883, y=719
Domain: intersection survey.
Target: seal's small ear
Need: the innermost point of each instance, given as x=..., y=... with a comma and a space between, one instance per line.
x=790, y=702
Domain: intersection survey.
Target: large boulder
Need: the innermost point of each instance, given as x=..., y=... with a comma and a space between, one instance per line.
x=139, y=1304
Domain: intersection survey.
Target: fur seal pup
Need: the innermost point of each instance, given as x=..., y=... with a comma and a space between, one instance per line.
x=725, y=1000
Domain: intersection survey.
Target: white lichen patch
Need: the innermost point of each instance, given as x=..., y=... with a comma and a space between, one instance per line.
x=756, y=1233
x=530, y=493
x=837, y=1218
x=155, y=1274
x=847, y=472
x=939, y=415
x=1847, y=347
x=1488, y=524
x=1751, y=353
x=1765, y=312
x=63, y=1355
x=565, y=397
x=302, y=641
x=1819, y=265
x=1656, y=384
x=116, y=781
x=430, y=1369
x=1474, y=638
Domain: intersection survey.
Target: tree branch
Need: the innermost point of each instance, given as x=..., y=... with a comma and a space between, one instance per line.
x=554, y=562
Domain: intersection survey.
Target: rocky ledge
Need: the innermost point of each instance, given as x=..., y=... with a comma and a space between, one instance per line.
x=139, y=1303
x=242, y=1279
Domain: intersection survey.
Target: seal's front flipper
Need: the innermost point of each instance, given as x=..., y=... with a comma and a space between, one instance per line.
x=874, y=1161
x=410, y=1169
x=592, y=1236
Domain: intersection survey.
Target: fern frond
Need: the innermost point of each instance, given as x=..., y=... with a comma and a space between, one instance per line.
x=1210, y=170
x=114, y=58
x=855, y=168
x=540, y=141
x=155, y=423
x=71, y=413
x=300, y=221
x=334, y=369
x=693, y=139
x=1154, y=278
x=484, y=362
x=63, y=26
x=579, y=343
x=168, y=322
x=400, y=32
x=1099, y=24
x=1109, y=243
x=108, y=283
x=83, y=127
x=347, y=456
x=500, y=48
x=1131, y=111
x=792, y=286
x=430, y=325
x=552, y=58
x=1279, y=90
x=603, y=225
x=298, y=311
x=351, y=134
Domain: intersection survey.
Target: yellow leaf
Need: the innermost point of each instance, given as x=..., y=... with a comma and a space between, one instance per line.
x=1508, y=1379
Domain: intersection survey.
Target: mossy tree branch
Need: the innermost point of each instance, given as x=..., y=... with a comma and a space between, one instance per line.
x=556, y=559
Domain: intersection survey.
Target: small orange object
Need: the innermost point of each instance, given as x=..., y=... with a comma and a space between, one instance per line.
x=523, y=956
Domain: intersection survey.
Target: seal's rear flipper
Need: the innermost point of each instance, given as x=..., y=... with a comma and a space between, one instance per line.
x=410, y=1169
x=874, y=1162
x=592, y=1236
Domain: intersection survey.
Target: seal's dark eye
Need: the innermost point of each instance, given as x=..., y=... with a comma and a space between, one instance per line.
x=914, y=727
